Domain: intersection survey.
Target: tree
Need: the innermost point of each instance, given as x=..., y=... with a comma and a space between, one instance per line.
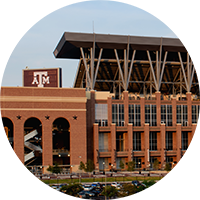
x=131, y=166
x=82, y=166
x=127, y=189
x=156, y=164
x=110, y=191
x=23, y=169
x=54, y=169
x=167, y=167
x=180, y=184
x=121, y=164
x=89, y=166
x=72, y=189
x=26, y=190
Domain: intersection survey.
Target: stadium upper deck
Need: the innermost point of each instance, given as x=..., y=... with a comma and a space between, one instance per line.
x=118, y=63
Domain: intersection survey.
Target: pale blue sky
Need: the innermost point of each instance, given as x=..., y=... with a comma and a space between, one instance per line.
x=36, y=48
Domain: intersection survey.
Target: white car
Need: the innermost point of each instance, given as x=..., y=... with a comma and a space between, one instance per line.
x=12, y=183
x=87, y=187
x=115, y=184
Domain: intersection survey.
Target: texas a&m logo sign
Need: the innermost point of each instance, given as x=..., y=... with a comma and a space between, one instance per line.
x=42, y=77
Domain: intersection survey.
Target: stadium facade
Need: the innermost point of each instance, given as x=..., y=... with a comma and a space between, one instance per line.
x=133, y=99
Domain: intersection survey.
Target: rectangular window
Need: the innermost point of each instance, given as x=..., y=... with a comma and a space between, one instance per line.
x=150, y=115
x=101, y=114
x=136, y=141
x=118, y=114
x=182, y=115
x=184, y=140
x=195, y=113
x=169, y=140
x=103, y=142
x=134, y=115
x=120, y=140
x=153, y=141
x=138, y=162
x=166, y=115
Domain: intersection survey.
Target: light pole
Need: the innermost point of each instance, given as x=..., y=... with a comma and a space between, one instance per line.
x=103, y=167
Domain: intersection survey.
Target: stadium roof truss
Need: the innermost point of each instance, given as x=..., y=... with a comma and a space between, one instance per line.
x=119, y=63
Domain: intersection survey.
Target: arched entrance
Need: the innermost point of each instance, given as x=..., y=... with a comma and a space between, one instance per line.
x=6, y=142
x=61, y=141
x=33, y=142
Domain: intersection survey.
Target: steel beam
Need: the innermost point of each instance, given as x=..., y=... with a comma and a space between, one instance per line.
x=152, y=70
x=119, y=66
x=86, y=68
x=130, y=70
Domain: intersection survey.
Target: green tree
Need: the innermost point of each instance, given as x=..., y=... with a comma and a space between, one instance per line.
x=121, y=164
x=110, y=192
x=167, y=167
x=156, y=164
x=72, y=189
x=180, y=184
x=89, y=166
x=126, y=190
x=131, y=166
x=26, y=190
x=54, y=169
x=82, y=166
x=149, y=183
x=23, y=169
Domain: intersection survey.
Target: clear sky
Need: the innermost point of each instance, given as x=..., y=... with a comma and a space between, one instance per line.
x=35, y=49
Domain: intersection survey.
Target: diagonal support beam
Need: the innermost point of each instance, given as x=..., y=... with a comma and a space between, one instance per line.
x=97, y=67
x=162, y=71
x=130, y=70
x=120, y=69
x=184, y=75
x=152, y=71
x=191, y=77
x=86, y=68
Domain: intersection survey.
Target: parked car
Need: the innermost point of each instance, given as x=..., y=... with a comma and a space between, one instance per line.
x=136, y=183
x=87, y=187
x=115, y=184
x=96, y=184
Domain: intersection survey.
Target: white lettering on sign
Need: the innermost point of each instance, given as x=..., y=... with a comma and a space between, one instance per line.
x=42, y=79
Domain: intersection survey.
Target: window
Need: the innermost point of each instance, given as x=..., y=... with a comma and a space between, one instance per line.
x=118, y=162
x=120, y=139
x=169, y=140
x=118, y=114
x=153, y=141
x=169, y=159
x=134, y=115
x=166, y=115
x=103, y=163
x=184, y=140
x=182, y=115
x=150, y=115
x=103, y=142
x=136, y=141
x=195, y=113
x=137, y=161
x=101, y=114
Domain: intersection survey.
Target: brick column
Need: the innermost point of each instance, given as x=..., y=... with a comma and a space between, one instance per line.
x=113, y=144
x=130, y=141
x=173, y=111
x=158, y=108
x=142, y=110
x=109, y=102
x=194, y=145
x=146, y=145
x=125, y=93
x=47, y=145
x=18, y=134
x=96, y=144
x=189, y=105
x=178, y=142
x=162, y=143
